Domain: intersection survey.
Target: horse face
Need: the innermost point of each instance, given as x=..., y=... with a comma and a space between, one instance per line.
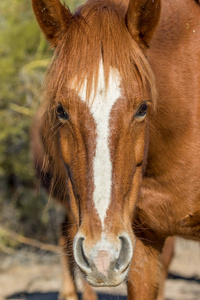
x=102, y=142
x=101, y=105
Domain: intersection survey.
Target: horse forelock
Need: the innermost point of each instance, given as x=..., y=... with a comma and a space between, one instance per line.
x=98, y=32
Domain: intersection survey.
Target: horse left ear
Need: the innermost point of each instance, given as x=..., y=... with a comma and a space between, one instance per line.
x=53, y=18
x=142, y=18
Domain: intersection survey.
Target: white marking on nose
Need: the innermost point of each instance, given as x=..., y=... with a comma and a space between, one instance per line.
x=102, y=103
x=104, y=246
x=102, y=262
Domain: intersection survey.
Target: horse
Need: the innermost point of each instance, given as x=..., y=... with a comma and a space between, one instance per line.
x=118, y=133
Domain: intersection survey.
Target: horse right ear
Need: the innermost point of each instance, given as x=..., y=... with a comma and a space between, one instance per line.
x=142, y=18
x=53, y=18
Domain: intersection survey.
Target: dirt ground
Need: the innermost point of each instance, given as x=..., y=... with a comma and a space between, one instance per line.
x=37, y=276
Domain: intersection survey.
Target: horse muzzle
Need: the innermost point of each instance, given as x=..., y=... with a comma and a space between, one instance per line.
x=105, y=263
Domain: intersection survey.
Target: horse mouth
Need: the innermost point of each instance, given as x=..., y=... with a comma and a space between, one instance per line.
x=99, y=280
x=104, y=284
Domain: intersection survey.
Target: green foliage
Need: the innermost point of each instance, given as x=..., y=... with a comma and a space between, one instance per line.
x=24, y=57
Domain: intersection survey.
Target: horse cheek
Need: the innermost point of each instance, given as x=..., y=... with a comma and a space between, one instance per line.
x=66, y=148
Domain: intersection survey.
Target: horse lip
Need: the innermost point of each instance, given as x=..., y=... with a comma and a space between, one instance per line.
x=103, y=281
x=104, y=284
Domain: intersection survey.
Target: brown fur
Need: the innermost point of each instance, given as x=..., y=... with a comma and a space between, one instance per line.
x=167, y=203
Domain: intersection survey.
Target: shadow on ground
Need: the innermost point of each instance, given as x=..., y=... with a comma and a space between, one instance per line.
x=54, y=296
x=180, y=277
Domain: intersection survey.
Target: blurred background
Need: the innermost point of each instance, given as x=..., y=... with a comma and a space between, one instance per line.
x=29, y=221
x=24, y=57
x=27, y=216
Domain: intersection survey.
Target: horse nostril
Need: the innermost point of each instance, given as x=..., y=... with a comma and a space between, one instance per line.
x=125, y=254
x=80, y=255
x=104, y=258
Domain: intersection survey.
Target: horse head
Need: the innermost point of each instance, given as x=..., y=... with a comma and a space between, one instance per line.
x=99, y=93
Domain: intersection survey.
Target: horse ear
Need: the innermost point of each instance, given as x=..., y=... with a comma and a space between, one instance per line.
x=53, y=18
x=142, y=18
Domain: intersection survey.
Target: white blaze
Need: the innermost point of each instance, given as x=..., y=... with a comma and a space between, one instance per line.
x=101, y=107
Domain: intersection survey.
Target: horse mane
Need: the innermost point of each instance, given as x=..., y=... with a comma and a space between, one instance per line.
x=97, y=31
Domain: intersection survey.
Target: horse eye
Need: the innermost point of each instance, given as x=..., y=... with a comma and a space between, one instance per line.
x=62, y=113
x=142, y=111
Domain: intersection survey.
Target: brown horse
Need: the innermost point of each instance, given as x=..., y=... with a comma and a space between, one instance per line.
x=119, y=127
